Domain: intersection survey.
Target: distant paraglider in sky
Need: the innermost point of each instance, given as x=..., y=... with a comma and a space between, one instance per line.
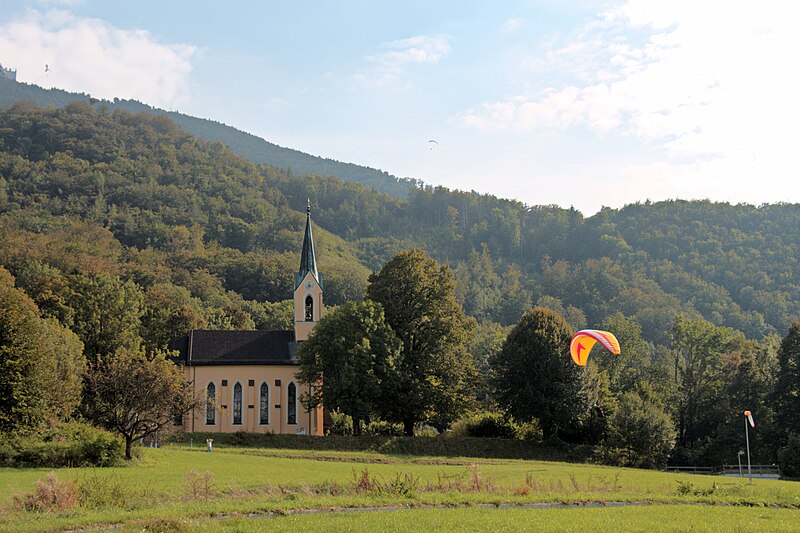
x=583, y=341
x=431, y=143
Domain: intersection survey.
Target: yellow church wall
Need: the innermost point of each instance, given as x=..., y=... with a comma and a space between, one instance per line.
x=309, y=423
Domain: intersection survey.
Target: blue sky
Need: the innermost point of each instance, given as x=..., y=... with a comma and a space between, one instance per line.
x=584, y=104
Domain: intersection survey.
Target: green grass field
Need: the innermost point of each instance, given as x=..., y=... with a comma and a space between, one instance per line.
x=179, y=489
x=640, y=518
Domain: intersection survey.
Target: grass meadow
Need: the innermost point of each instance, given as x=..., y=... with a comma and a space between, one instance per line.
x=176, y=488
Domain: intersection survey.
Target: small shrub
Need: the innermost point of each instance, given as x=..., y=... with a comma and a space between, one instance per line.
x=424, y=430
x=330, y=487
x=497, y=426
x=200, y=485
x=576, y=486
x=530, y=431
x=384, y=428
x=342, y=423
x=605, y=484
x=69, y=444
x=532, y=483
x=49, y=495
x=97, y=491
x=402, y=485
x=686, y=489
x=487, y=425
x=363, y=483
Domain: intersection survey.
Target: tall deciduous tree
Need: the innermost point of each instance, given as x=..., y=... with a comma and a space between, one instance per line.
x=19, y=403
x=631, y=365
x=486, y=341
x=107, y=313
x=59, y=369
x=40, y=362
x=534, y=375
x=434, y=368
x=698, y=347
x=49, y=288
x=137, y=395
x=168, y=312
x=642, y=430
x=349, y=360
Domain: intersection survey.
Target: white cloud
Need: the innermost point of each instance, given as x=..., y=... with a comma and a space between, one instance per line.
x=712, y=85
x=390, y=66
x=92, y=56
x=511, y=25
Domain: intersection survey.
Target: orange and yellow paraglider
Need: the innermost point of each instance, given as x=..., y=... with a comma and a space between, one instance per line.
x=583, y=341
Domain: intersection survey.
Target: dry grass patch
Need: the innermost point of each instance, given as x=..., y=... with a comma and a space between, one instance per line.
x=50, y=494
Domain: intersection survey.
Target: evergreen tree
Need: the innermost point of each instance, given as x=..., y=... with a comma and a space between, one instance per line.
x=515, y=298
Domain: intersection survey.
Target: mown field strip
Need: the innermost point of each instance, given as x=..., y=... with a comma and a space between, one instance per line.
x=176, y=488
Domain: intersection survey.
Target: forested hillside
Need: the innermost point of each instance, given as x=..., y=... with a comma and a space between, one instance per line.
x=244, y=144
x=164, y=205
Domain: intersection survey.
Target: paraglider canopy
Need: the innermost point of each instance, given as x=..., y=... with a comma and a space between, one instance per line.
x=583, y=341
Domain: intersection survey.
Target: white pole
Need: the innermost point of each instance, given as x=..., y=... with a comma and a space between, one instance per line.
x=747, y=439
x=739, y=456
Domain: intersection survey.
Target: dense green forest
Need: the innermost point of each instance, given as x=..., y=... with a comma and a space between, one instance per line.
x=123, y=226
x=154, y=193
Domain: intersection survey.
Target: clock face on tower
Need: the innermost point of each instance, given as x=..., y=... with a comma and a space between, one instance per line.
x=309, y=285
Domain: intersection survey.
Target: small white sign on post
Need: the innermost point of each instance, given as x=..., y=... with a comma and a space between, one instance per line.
x=300, y=430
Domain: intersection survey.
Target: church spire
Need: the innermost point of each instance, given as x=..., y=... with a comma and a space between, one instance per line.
x=308, y=261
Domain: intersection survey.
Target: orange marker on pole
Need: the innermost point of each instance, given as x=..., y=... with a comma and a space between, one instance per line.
x=748, y=417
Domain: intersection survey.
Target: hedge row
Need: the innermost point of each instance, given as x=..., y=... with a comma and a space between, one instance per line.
x=442, y=446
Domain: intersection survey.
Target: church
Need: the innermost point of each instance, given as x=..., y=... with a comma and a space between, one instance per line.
x=247, y=378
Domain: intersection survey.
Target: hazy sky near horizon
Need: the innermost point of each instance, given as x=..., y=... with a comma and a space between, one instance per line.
x=584, y=104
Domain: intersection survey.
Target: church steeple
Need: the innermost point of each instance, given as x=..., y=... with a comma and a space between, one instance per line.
x=307, y=287
x=308, y=261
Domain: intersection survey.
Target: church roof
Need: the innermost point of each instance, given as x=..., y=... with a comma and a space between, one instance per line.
x=308, y=261
x=211, y=347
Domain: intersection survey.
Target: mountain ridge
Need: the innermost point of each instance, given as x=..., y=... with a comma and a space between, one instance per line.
x=243, y=143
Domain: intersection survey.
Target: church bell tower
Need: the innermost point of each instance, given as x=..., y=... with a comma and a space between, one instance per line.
x=307, y=287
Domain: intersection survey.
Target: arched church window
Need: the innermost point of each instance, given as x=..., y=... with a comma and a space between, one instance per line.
x=309, y=309
x=263, y=404
x=237, y=403
x=291, y=400
x=211, y=412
